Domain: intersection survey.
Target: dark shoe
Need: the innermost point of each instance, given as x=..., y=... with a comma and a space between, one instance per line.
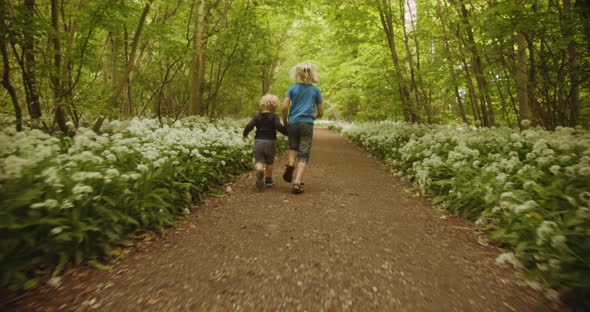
x=288, y=176
x=297, y=188
x=259, y=180
x=268, y=182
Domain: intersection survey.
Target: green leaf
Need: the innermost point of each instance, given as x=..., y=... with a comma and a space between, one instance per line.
x=31, y=283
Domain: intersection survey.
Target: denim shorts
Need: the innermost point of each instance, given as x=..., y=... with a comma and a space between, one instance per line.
x=300, y=137
x=264, y=151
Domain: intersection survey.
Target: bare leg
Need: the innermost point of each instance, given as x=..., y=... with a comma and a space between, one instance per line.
x=292, y=157
x=299, y=173
x=259, y=166
x=268, y=171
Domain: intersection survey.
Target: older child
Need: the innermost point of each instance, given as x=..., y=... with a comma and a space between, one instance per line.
x=267, y=124
x=302, y=105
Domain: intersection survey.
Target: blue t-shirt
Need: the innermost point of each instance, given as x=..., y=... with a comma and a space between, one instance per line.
x=304, y=98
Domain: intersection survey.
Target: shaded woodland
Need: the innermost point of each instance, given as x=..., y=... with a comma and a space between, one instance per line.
x=480, y=62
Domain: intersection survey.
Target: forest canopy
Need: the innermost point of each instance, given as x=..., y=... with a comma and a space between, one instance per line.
x=479, y=62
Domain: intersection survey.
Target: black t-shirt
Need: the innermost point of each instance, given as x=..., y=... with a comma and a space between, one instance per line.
x=267, y=125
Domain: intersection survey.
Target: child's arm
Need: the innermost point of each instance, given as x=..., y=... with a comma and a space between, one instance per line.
x=249, y=126
x=319, y=111
x=285, y=109
x=280, y=128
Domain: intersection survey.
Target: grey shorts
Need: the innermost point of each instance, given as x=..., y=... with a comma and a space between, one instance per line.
x=265, y=151
x=300, y=137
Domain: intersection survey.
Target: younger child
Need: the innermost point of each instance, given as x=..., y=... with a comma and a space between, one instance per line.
x=267, y=124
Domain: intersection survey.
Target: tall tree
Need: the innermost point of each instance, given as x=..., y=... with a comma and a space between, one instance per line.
x=6, y=66
x=520, y=68
x=60, y=117
x=198, y=64
x=29, y=63
x=386, y=16
x=123, y=81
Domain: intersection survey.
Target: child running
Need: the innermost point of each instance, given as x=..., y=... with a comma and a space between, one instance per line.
x=267, y=124
x=302, y=105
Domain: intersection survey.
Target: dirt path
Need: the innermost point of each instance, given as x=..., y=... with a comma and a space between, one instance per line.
x=357, y=240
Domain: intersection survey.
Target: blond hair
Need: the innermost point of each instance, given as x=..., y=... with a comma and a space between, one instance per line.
x=305, y=72
x=269, y=102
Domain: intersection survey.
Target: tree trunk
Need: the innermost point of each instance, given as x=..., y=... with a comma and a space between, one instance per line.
x=451, y=68
x=198, y=66
x=132, y=61
x=29, y=63
x=535, y=109
x=472, y=96
x=6, y=69
x=60, y=117
x=478, y=70
x=521, y=77
x=574, y=96
x=386, y=16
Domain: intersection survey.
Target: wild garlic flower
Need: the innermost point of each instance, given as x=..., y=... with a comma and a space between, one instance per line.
x=545, y=230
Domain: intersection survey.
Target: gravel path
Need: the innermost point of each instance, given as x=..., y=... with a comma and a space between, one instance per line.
x=358, y=239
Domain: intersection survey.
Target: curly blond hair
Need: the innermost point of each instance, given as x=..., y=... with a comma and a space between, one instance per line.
x=269, y=102
x=305, y=73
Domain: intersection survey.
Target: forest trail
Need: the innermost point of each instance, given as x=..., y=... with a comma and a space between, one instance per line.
x=358, y=239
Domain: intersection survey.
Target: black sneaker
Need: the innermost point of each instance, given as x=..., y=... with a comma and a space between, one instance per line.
x=259, y=180
x=288, y=176
x=268, y=182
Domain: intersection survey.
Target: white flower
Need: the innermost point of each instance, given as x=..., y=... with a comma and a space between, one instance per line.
x=48, y=203
x=544, y=230
x=554, y=169
x=509, y=258
x=563, y=159
x=558, y=241
x=583, y=212
x=531, y=204
x=79, y=190
x=83, y=175
x=528, y=185
x=66, y=204
x=584, y=170
x=142, y=168
x=112, y=172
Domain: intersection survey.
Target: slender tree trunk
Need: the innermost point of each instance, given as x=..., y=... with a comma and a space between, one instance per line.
x=521, y=77
x=198, y=66
x=132, y=61
x=60, y=117
x=472, y=95
x=450, y=65
x=386, y=16
x=536, y=110
x=420, y=94
x=574, y=96
x=6, y=68
x=413, y=84
x=583, y=9
x=29, y=63
x=478, y=69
